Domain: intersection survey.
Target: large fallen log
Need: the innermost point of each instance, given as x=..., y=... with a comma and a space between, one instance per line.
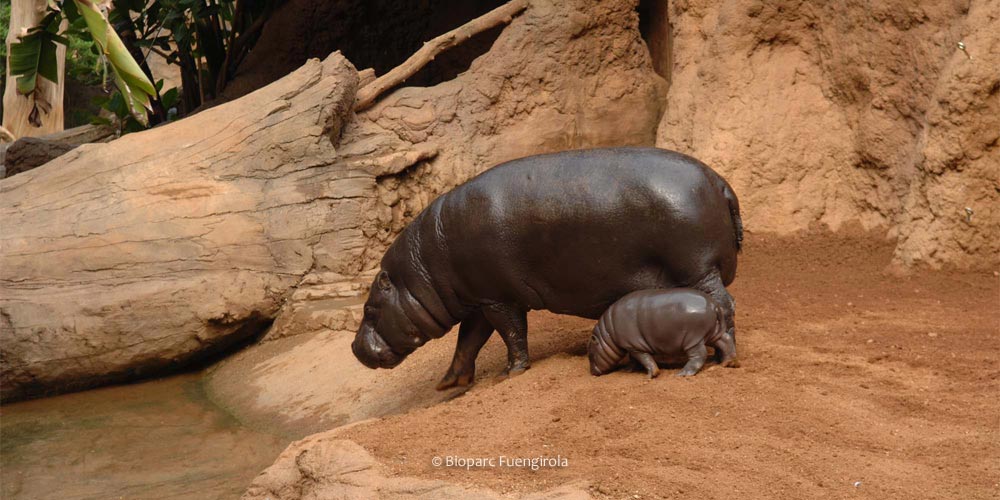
x=166, y=246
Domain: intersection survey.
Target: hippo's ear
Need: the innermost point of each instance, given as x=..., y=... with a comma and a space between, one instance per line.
x=382, y=281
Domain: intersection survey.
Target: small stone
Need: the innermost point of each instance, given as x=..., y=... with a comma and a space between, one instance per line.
x=857, y=484
x=870, y=341
x=932, y=334
x=850, y=304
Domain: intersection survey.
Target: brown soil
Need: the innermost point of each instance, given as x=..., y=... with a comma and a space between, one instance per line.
x=855, y=384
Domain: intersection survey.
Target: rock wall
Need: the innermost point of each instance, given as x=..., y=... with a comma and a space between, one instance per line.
x=847, y=113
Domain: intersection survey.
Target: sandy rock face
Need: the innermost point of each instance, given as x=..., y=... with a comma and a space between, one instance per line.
x=836, y=114
x=323, y=466
x=126, y=258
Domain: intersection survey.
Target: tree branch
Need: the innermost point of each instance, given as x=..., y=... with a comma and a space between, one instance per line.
x=501, y=15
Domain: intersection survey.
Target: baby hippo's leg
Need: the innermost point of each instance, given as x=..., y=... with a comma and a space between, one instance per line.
x=726, y=351
x=646, y=360
x=696, y=359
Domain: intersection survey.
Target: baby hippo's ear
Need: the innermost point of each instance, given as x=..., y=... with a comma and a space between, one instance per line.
x=382, y=281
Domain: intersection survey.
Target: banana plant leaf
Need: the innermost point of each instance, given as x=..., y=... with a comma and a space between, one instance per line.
x=129, y=78
x=34, y=55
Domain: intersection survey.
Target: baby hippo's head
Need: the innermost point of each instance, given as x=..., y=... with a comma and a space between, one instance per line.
x=603, y=353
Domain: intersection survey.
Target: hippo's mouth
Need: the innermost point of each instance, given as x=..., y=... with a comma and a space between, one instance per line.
x=373, y=352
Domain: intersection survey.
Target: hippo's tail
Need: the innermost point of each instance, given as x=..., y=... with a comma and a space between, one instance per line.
x=734, y=212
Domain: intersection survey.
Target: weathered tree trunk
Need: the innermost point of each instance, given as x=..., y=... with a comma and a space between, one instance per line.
x=17, y=108
x=126, y=258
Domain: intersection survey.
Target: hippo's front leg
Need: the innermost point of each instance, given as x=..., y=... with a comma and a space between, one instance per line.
x=472, y=336
x=512, y=323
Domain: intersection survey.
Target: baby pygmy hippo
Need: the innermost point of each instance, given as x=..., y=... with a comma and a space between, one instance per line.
x=664, y=325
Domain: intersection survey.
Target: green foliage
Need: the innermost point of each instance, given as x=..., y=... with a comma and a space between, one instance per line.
x=206, y=39
x=34, y=55
x=132, y=82
x=4, y=26
x=84, y=63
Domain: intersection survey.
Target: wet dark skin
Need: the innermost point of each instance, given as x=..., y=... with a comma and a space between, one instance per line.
x=568, y=232
x=661, y=325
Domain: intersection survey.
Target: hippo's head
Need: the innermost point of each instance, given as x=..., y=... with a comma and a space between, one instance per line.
x=386, y=335
x=603, y=353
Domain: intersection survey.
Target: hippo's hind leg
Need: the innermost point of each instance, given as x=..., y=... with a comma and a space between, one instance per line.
x=511, y=322
x=472, y=336
x=712, y=285
x=696, y=359
x=646, y=360
x=725, y=349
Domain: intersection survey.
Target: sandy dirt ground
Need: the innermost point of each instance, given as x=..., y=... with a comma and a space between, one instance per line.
x=855, y=383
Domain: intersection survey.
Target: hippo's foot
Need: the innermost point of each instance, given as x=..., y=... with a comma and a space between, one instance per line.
x=515, y=369
x=452, y=379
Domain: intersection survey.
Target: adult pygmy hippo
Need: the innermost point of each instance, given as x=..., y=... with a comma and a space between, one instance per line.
x=660, y=325
x=569, y=232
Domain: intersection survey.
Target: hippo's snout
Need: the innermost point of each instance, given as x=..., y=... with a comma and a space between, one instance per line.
x=373, y=352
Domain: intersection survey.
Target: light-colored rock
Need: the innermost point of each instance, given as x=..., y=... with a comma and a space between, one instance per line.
x=128, y=258
x=326, y=467
x=840, y=114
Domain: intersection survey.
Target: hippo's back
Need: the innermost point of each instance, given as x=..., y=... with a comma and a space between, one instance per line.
x=572, y=232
